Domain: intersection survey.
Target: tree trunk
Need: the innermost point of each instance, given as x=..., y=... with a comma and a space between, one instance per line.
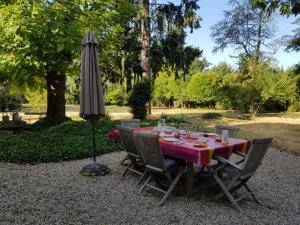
x=259, y=33
x=145, y=38
x=56, y=103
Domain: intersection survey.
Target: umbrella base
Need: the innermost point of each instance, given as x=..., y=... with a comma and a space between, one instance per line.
x=94, y=169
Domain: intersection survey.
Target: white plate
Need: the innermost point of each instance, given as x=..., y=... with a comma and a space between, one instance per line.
x=171, y=139
x=210, y=134
x=167, y=128
x=182, y=132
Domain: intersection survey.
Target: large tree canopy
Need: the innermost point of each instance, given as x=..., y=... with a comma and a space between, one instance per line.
x=245, y=28
x=42, y=40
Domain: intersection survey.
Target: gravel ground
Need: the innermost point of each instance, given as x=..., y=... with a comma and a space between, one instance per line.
x=55, y=193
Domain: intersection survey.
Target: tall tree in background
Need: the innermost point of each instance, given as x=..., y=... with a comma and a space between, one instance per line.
x=42, y=40
x=286, y=7
x=245, y=28
x=169, y=33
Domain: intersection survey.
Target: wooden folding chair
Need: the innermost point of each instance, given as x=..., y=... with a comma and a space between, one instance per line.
x=188, y=127
x=157, y=164
x=231, y=177
x=133, y=153
x=232, y=131
x=132, y=123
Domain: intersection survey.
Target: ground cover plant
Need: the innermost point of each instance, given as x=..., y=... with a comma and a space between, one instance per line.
x=68, y=141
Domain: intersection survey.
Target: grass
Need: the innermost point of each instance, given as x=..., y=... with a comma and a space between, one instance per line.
x=283, y=127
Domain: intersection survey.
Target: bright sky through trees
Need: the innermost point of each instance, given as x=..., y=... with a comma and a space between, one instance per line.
x=211, y=12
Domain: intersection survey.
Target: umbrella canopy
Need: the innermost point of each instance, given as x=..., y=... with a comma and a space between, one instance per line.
x=91, y=92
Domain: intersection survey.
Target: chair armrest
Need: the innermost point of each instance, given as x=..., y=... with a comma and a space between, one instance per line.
x=226, y=161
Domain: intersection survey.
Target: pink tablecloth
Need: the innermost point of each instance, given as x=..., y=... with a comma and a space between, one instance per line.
x=200, y=156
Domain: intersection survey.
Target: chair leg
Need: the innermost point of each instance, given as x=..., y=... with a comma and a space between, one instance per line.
x=142, y=177
x=229, y=187
x=227, y=193
x=144, y=185
x=171, y=188
x=127, y=168
x=253, y=196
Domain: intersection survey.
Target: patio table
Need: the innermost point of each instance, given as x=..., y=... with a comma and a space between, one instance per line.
x=198, y=156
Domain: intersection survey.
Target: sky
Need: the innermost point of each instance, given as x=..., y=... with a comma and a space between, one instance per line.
x=211, y=11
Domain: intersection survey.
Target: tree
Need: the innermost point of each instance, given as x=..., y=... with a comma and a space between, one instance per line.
x=42, y=40
x=169, y=32
x=246, y=28
x=202, y=88
x=286, y=7
x=160, y=90
x=198, y=65
x=294, y=42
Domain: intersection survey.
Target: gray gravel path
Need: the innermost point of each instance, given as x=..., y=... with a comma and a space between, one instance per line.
x=55, y=193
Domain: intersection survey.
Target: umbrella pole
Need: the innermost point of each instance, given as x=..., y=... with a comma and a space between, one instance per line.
x=94, y=141
x=94, y=169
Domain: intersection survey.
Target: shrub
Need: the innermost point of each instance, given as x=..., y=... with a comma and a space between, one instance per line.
x=177, y=119
x=140, y=95
x=294, y=107
x=115, y=95
x=10, y=102
x=37, y=99
x=212, y=116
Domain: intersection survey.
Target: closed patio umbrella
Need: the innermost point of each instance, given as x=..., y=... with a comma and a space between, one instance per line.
x=91, y=96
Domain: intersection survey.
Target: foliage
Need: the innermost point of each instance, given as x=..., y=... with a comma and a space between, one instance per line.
x=160, y=90
x=115, y=95
x=36, y=98
x=245, y=28
x=140, y=95
x=295, y=107
x=286, y=7
x=212, y=116
x=169, y=90
x=10, y=102
x=174, y=119
x=169, y=25
x=294, y=41
x=199, y=65
x=68, y=141
x=43, y=39
x=202, y=87
x=73, y=90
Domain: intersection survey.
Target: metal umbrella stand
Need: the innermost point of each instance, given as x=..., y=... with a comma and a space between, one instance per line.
x=91, y=97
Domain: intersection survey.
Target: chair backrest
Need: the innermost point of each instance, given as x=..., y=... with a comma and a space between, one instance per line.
x=133, y=123
x=188, y=127
x=129, y=141
x=150, y=150
x=256, y=154
x=232, y=131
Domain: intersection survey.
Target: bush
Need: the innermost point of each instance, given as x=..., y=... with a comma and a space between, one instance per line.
x=115, y=95
x=294, y=107
x=212, y=116
x=176, y=119
x=68, y=141
x=10, y=102
x=140, y=95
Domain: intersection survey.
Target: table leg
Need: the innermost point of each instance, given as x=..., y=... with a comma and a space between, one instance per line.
x=189, y=179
